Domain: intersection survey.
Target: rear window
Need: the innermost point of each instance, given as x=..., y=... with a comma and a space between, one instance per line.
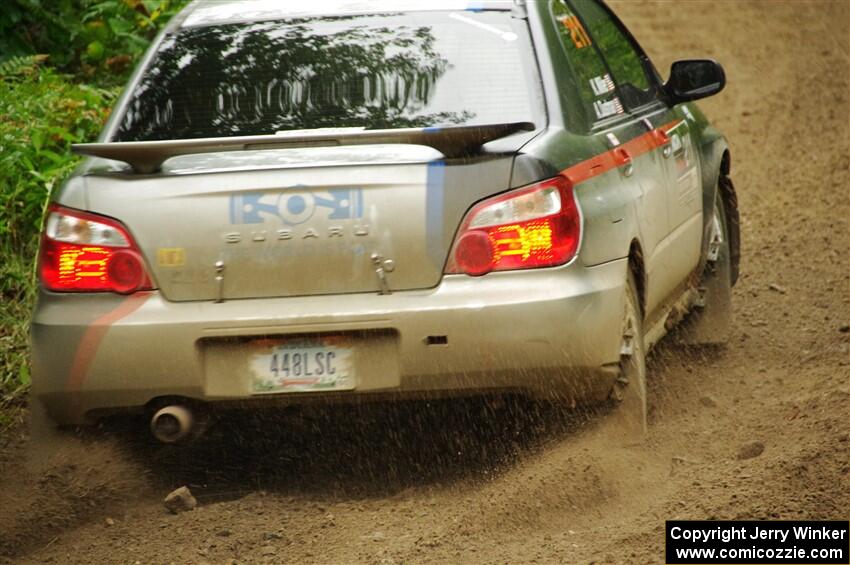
x=371, y=71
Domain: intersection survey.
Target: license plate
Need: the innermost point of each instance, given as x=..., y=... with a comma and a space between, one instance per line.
x=313, y=365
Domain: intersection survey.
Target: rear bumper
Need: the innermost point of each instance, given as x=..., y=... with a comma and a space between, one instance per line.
x=548, y=332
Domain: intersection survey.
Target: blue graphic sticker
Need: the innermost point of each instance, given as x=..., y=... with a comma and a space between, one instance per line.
x=293, y=209
x=434, y=211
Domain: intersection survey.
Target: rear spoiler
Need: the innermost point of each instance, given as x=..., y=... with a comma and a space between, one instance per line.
x=452, y=141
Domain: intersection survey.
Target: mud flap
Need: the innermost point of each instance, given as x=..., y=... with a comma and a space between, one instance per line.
x=710, y=321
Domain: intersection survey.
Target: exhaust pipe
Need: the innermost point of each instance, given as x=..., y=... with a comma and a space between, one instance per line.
x=172, y=423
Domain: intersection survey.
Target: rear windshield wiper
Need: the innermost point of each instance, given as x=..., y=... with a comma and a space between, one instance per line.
x=451, y=141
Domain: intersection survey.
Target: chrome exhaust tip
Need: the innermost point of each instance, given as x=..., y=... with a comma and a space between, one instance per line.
x=172, y=424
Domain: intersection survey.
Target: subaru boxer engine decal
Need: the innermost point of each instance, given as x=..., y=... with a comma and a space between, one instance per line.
x=293, y=209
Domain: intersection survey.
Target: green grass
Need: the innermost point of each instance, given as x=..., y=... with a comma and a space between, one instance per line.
x=44, y=113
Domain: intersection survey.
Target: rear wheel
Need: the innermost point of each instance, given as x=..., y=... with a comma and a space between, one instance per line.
x=630, y=388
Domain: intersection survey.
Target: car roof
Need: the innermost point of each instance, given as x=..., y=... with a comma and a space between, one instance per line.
x=212, y=12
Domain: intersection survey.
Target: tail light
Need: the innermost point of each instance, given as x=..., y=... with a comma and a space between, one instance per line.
x=82, y=252
x=536, y=226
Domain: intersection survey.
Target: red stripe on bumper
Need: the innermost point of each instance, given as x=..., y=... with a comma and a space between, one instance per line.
x=95, y=333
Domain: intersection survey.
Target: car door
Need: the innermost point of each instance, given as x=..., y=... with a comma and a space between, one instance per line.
x=670, y=166
x=615, y=137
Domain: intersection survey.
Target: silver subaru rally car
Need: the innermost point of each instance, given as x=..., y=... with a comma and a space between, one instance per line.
x=342, y=200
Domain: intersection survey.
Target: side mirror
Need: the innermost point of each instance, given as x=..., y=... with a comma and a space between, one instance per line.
x=693, y=79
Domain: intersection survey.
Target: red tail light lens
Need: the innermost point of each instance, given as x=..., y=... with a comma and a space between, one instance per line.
x=536, y=226
x=82, y=252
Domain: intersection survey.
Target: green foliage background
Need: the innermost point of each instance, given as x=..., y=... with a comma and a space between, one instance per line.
x=62, y=64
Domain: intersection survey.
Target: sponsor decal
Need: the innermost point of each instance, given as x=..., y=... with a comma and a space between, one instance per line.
x=171, y=257
x=607, y=108
x=293, y=209
x=602, y=84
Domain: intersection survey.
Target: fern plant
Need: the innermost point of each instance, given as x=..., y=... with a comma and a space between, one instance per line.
x=21, y=65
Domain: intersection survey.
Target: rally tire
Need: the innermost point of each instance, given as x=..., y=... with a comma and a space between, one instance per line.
x=630, y=390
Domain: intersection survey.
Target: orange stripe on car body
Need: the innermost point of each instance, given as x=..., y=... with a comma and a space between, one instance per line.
x=95, y=333
x=612, y=159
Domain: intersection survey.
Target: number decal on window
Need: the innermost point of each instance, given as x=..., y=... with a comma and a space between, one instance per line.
x=577, y=32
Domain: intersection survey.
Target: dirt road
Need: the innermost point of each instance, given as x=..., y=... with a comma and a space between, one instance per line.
x=477, y=482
